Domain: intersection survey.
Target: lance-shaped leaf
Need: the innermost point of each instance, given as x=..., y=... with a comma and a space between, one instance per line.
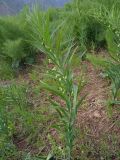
x=75, y=92
x=54, y=90
x=60, y=109
x=80, y=102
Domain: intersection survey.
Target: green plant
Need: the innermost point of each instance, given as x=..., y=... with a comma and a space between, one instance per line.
x=14, y=37
x=85, y=28
x=6, y=70
x=64, y=86
x=99, y=61
x=6, y=129
x=113, y=41
x=14, y=110
x=56, y=150
x=68, y=91
x=114, y=74
x=111, y=70
x=14, y=50
x=107, y=15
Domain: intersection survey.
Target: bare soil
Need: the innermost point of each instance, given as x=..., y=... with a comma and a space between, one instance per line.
x=94, y=113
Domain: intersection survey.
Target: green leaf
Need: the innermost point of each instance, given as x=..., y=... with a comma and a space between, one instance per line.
x=49, y=156
x=75, y=92
x=80, y=102
x=67, y=55
x=61, y=110
x=115, y=102
x=54, y=90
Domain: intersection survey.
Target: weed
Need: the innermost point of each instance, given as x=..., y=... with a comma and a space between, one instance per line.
x=65, y=87
x=6, y=71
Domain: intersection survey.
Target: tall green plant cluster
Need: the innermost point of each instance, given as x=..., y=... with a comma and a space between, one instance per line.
x=96, y=25
x=13, y=39
x=90, y=21
x=108, y=14
x=87, y=31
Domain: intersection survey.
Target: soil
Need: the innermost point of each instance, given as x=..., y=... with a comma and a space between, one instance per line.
x=94, y=114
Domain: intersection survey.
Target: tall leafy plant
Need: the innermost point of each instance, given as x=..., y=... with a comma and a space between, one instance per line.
x=68, y=91
x=64, y=87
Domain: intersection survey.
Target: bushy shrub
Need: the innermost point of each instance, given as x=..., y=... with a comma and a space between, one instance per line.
x=14, y=43
x=14, y=49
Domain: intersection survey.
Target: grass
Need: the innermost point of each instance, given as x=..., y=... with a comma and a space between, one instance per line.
x=6, y=71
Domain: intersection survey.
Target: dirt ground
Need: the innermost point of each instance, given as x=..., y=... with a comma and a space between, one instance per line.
x=94, y=114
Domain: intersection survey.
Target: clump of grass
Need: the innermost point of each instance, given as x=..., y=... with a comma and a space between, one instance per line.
x=14, y=50
x=6, y=71
x=13, y=109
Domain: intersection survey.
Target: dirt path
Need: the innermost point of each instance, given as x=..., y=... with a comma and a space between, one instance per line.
x=93, y=115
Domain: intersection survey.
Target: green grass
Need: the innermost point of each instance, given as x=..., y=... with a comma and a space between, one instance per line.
x=6, y=71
